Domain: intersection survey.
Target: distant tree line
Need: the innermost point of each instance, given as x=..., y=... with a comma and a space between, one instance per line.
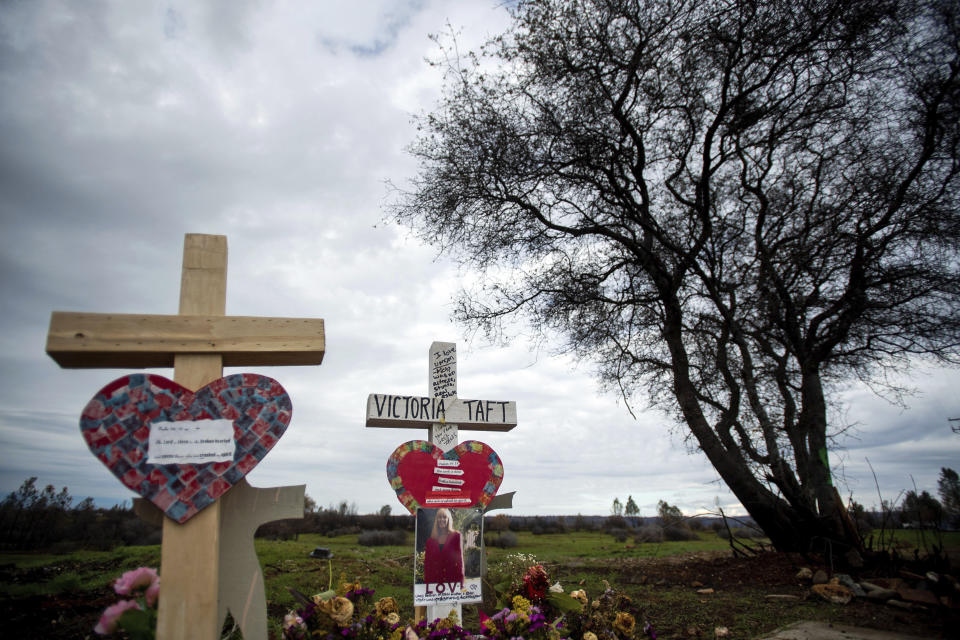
x=34, y=518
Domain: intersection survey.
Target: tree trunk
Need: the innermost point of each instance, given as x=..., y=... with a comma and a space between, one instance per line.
x=790, y=527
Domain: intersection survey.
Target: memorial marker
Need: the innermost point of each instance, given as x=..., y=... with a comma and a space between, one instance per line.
x=198, y=581
x=442, y=413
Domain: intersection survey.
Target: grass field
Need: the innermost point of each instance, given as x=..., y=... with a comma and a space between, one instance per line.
x=578, y=560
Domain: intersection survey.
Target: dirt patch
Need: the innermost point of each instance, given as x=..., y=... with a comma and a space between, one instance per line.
x=58, y=616
x=690, y=595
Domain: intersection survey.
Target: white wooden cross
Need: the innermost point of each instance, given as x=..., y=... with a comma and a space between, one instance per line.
x=207, y=564
x=443, y=414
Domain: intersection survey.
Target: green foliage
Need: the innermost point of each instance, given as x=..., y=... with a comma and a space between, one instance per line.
x=617, y=508
x=32, y=518
x=668, y=514
x=139, y=624
x=921, y=509
x=948, y=486
x=631, y=510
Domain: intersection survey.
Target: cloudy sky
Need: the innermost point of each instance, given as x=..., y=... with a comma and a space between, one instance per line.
x=124, y=126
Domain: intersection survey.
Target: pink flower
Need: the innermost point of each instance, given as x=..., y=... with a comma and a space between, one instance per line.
x=131, y=581
x=152, y=592
x=108, y=621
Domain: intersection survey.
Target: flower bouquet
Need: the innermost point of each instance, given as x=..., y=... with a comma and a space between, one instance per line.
x=539, y=611
x=136, y=615
x=347, y=614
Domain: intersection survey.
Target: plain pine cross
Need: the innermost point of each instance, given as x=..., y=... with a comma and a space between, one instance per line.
x=199, y=581
x=443, y=414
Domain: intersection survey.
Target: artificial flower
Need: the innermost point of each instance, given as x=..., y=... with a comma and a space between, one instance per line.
x=556, y=588
x=536, y=583
x=108, y=621
x=386, y=606
x=393, y=618
x=339, y=609
x=141, y=578
x=580, y=595
x=347, y=587
x=589, y=635
x=624, y=622
x=293, y=621
x=521, y=605
x=152, y=593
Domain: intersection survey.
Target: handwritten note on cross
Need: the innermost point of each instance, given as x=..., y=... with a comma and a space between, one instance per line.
x=442, y=412
x=199, y=581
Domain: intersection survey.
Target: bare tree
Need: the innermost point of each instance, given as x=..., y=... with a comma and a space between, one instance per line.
x=732, y=206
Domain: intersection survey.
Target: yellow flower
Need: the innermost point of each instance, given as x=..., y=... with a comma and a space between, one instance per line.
x=589, y=635
x=520, y=605
x=393, y=617
x=580, y=595
x=339, y=609
x=450, y=621
x=347, y=587
x=386, y=606
x=624, y=622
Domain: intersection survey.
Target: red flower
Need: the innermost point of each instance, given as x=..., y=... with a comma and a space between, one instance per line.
x=536, y=583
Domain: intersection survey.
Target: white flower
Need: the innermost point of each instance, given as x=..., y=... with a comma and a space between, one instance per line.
x=556, y=588
x=293, y=620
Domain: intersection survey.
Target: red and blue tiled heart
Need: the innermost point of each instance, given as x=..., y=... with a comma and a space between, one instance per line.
x=116, y=425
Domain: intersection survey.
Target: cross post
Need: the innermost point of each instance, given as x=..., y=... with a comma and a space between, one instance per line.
x=443, y=414
x=198, y=343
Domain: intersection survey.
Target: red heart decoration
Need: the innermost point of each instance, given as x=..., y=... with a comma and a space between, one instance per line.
x=424, y=476
x=116, y=424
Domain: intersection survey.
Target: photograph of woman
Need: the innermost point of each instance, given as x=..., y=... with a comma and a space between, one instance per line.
x=443, y=551
x=449, y=549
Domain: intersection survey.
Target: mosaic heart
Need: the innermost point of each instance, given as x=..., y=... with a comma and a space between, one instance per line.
x=182, y=449
x=424, y=476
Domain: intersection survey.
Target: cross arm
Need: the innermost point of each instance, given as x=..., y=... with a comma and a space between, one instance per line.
x=112, y=340
x=406, y=412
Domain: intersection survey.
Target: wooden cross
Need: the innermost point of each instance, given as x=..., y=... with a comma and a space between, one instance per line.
x=197, y=585
x=443, y=414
